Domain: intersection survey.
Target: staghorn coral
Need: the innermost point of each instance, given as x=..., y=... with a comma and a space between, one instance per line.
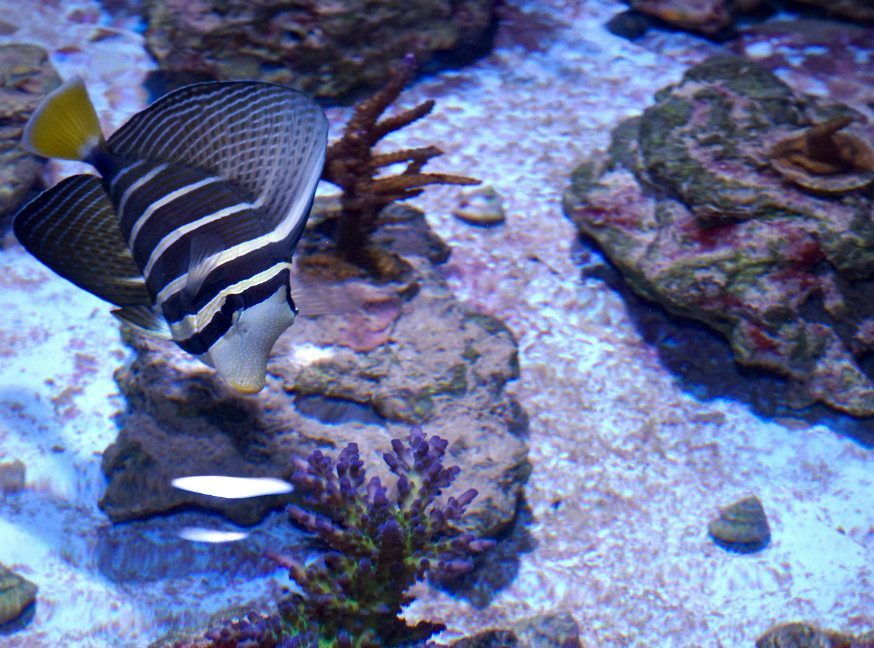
x=378, y=547
x=352, y=165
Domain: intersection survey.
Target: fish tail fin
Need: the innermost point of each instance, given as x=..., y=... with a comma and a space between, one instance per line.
x=64, y=125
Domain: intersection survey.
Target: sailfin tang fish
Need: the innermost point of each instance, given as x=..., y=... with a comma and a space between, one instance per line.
x=190, y=227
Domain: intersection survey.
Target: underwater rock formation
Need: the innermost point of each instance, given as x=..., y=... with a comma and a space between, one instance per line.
x=802, y=635
x=17, y=595
x=407, y=353
x=26, y=75
x=687, y=204
x=326, y=49
x=859, y=10
x=717, y=18
x=544, y=631
x=741, y=527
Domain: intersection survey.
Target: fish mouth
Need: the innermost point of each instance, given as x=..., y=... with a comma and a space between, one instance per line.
x=246, y=388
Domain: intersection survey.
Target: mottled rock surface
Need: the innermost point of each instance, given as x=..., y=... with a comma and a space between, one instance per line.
x=687, y=205
x=544, y=631
x=803, y=635
x=26, y=75
x=326, y=49
x=17, y=595
x=410, y=353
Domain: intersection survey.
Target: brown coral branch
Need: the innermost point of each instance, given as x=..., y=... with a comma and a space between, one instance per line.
x=351, y=164
x=406, y=155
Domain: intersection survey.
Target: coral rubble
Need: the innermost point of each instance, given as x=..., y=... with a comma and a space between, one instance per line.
x=687, y=204
x=26, y=75
x=352, y=165
x=328, y=49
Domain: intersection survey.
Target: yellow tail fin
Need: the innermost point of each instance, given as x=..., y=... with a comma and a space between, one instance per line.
x=64, y=125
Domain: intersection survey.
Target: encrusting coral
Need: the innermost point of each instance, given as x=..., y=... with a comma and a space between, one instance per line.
x=378, y=548
x=352, y=165
x=824, y=159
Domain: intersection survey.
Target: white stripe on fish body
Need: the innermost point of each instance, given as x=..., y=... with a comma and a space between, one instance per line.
x=136, y=185
x=232, y=487
x=123, y=172
x=239, y=250
x=193, y=324
x=171, y=238
x=163, y=202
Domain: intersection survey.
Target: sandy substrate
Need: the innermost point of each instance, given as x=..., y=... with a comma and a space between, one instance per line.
x=631, y=457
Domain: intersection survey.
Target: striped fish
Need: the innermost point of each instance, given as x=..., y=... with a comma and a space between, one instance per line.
x=189, y=229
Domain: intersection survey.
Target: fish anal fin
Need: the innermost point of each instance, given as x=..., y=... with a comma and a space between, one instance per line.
x=72, y=229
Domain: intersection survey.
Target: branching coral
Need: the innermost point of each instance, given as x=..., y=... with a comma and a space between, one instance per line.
x=378, y=547
x=352, y=165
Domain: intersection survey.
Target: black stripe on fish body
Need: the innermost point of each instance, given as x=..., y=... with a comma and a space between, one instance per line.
x=214, y=209
x=203, y=340
x=230, y=273
x=220, y=218
x=148, y=186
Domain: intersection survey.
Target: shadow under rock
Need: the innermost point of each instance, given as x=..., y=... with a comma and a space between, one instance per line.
x=495, y=569
x=150, y=550
x=703, y=364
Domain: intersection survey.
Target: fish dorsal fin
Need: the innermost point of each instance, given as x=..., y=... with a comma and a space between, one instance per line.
x=267, y=140
x=145, y=319
x=73, y=230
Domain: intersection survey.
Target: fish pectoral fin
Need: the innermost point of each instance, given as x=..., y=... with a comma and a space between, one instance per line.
x=72, y=228
x=145, y=319
x=203, y=258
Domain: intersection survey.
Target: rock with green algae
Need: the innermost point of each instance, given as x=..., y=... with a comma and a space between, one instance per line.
x=17, y=595
x=26, y=76
x=329, y=49
x=688, y=206
x=408, y=353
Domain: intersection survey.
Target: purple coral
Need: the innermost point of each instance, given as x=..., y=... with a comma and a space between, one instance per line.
x=379, y=545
